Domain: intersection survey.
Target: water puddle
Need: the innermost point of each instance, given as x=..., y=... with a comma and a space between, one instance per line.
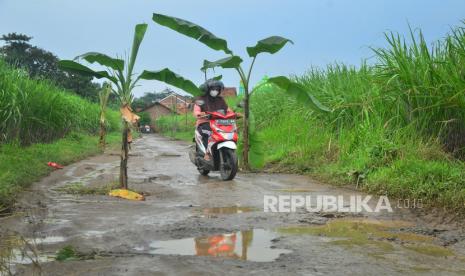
x=389, y=241
x=56, y=221
x=14, y=250
x=162, y=177
x=94, y=233
x=251, y=245
x=380, y=235
x=87, y=172
x=47, y=240
x=208, y=212
x=169, y=154
x=29, y=257
x=294, y=190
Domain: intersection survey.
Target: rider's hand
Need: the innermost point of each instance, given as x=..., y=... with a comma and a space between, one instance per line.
x=238, y=115
x=201, y=114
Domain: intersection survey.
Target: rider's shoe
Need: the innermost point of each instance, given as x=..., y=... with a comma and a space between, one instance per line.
x=207, y=160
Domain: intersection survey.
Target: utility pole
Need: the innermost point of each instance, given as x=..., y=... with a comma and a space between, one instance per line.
x=174, y=109
x=172, y=114
x=186, y=109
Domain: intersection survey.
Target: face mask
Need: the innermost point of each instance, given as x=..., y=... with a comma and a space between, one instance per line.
x=214, y=93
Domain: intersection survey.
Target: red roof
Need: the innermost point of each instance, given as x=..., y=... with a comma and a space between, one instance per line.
x=180, y=103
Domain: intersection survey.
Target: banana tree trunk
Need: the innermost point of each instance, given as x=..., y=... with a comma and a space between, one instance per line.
x=123, y=172
x=245, y=133
x=103, y=132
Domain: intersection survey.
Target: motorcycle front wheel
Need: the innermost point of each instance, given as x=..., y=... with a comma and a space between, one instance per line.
x=203, y=171
x=228, y=167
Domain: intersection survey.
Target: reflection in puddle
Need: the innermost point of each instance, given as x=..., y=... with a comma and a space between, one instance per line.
x=29, y=257
x=226, y=210
x=252, y=245
x=14, y=250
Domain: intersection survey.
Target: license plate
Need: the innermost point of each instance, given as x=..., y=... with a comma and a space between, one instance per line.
x=225, y=122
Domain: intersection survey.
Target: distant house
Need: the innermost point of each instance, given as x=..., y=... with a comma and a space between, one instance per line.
x=156, y=110
x=177, y=103
x=229, y=92
x=172, y=103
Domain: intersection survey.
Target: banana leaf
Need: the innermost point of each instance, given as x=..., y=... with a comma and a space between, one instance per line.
x=171, y=78
x=192, y=30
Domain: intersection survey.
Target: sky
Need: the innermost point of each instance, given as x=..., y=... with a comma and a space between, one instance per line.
x=323, y=31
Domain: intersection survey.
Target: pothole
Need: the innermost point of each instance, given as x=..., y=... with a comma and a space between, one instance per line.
x=150, y=179
x=162, y=177
x=225, y=210
x=168, y=154
x=48, y=240
x=294, y=190
x=382, y=236
x=251, y=245
x=30, y=257
x=15, y=249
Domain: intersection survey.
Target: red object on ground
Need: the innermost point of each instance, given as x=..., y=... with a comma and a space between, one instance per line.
x=54, y=165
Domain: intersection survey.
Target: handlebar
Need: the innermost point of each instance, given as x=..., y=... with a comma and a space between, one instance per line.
x=208, y=116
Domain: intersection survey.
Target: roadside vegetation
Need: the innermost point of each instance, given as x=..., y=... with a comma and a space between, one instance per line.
x=397, y=125
x=36, y=111
x=40, y=123
x=177, y=126
x=21, y=166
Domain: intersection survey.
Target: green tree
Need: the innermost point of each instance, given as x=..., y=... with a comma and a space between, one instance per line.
x=144, y=118
x=148, y=98
x=40, y=63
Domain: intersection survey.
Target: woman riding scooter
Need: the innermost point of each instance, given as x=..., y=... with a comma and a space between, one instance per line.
x=209, y=102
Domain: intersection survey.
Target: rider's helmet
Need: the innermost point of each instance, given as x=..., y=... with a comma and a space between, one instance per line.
x=212, y=84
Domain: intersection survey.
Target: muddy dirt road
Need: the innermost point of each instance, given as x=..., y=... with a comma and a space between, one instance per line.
x=196, y=225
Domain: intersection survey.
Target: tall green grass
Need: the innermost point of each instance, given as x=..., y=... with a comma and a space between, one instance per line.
x=34, y=116
x=176, y=126
x=428, y=84
x=398, y=125
x=33, y=111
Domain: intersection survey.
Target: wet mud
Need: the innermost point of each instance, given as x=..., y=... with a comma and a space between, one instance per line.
x=191, y=224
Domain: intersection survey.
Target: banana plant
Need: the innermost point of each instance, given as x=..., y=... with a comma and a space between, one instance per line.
x=121, y=75
x=269, y=45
